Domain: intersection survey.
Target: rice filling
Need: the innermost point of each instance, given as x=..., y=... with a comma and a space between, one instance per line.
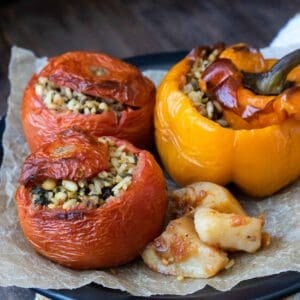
x=64, y=99
x=207, y=107
x=92, y=192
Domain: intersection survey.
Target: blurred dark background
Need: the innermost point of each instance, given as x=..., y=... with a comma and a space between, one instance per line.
x=128, y=28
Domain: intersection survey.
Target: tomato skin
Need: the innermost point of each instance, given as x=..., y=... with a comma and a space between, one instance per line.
x=73, y=155
x=113, y=234
x=122, y=82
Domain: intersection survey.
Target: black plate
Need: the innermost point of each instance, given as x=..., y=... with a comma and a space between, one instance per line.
x=270, y=287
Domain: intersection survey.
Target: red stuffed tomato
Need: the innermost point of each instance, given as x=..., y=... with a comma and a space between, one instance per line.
x=92, y=91
x=90, y=203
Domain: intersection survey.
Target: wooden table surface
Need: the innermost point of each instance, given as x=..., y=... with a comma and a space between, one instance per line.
x=128, y=28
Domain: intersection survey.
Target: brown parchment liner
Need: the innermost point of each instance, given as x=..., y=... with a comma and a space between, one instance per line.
x=20, y=265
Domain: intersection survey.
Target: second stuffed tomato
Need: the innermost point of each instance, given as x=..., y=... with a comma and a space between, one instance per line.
x=87, y=203
x=92, y=91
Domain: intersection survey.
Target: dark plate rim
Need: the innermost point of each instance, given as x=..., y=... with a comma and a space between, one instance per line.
x=264, y=288
x=162, y=58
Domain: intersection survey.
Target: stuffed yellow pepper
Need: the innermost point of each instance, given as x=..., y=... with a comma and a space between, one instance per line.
x=230, y=115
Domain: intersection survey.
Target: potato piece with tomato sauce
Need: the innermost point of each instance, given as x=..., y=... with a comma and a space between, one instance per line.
x=180, y=252
x=230, y=232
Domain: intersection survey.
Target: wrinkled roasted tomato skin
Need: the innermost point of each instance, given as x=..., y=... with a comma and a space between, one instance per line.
x=123, y=83
x=111, y=235
x=73, y=155
x=193, y=148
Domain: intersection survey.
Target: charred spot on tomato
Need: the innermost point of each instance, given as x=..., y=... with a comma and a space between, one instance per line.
x=70, y=216
x=98, y=71
x=63, y=99
x=63, y=151
x=204, y=104
x=89, y=192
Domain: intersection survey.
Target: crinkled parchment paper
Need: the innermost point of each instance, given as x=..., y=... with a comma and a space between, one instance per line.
x=20, y=265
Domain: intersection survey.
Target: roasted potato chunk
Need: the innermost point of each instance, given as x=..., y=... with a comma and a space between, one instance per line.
x=179, y=251
x=230, y=232
x=204, y=194
x=209, y=222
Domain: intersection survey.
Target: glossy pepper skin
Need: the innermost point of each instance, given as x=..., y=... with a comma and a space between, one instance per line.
x=120, y=81
x=193, y=148
x=91, y=238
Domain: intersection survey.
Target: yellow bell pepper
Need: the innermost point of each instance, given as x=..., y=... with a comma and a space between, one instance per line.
x=260, y=161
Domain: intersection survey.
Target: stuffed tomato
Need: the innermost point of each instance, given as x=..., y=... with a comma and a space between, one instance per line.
x=87, y=204
x=92, y=91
